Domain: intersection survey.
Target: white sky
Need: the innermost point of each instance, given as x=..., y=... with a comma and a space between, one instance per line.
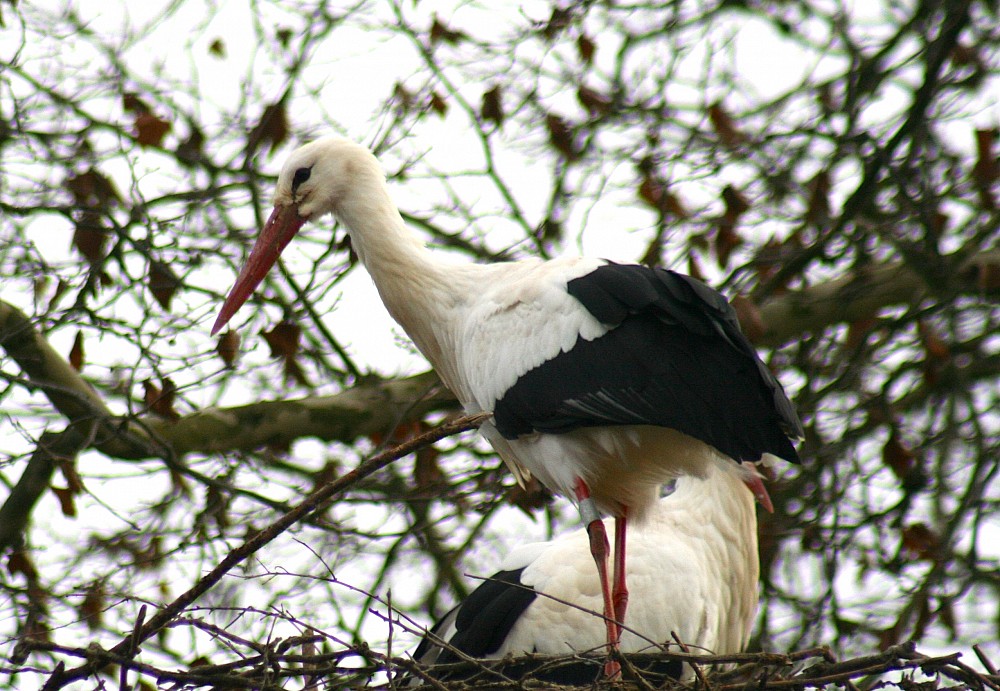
x=354, y=77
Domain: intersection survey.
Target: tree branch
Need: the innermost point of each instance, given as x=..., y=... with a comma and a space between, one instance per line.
x=314, y=502
x=788, y=316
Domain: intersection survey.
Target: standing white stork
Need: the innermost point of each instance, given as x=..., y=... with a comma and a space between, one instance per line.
x=604, y=379
x=693, y=566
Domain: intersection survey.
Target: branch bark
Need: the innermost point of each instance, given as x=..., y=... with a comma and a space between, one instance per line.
x=788, y=316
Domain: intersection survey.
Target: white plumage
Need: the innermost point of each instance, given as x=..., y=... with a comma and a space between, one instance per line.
x=604, y=380
x=693, y=565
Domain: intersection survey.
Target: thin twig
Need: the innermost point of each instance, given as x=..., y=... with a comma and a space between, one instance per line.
x=312, y=503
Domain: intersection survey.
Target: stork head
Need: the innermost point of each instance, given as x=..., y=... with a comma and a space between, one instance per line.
x=322, y=177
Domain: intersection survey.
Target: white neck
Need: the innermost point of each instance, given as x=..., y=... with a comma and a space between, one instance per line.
x=417, y=288
x=725, y=528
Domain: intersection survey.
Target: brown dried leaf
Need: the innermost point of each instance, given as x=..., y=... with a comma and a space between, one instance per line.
x=440, y=32
x=694, y=268
x=726, y=240
x=90, y=238
x=403, y=96
x=39, y=285
x=73, y=480
x=20, y=563
x=987, y=276
x=328, y=473
x=163, y=283
x=530, y=498
x=920, y=542
x=492, y=107
x=593, y=101
x=150, y=557
x=673, y=206
x=92, y=190
x=858, y=332
x=217, y=48
x=284, y=342
x=438, y=104
x=66, y=502
x=818, y=205
x=272, y=128
x=293, y=371
x=283, y=339
x=161, y=401
x=726, y=237
x=91, y=609
x=736, y=203
x=897, y=457
x=946, y=615
x=586, y=48
x=561, y=135
x=426, y=471
x=178, y=485
x=751, y=321
x=651, y=191
x=654, y=251
x=724, y=126
x=133, y=104
x=551, y=230
x=76, y=352
x=191, y=150
x=987, y=167
x=888, y=637
x=560, y=19
x=654, y=192
x=228, y=347
x=217, y=507
x=150, y=129
x=397, y=435
x=963, y=56
x=934, y=345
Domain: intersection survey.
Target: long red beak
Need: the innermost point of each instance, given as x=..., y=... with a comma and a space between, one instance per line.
x=279, y=230
x=756, y=485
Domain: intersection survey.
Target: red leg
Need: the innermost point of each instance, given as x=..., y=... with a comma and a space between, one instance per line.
x=619, y=593
x=600, y=549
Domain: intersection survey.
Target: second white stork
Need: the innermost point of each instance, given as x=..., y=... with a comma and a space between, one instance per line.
x=693, y=569
x=605, y=380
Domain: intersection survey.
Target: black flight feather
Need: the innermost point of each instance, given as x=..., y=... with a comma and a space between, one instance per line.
x=674, y=357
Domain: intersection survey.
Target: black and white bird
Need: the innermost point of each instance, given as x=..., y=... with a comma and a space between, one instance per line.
x=693, y=567
x=605, y=380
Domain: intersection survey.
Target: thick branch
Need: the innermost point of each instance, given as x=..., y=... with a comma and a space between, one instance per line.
x=373, y=406
x=788, y=316
x=51, y=449
x=65, y=388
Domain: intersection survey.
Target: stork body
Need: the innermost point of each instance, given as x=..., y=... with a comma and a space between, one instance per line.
x=693, y=565
x=605, y=380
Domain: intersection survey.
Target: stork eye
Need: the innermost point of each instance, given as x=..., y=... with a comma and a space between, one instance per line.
x=301, y=175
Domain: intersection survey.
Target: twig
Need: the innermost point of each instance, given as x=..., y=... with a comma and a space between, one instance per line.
x=312, y=503
x=696, y=667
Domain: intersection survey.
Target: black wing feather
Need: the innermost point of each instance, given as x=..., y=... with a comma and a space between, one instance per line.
x=486, y=617
x=484, y=620
x=675, y=357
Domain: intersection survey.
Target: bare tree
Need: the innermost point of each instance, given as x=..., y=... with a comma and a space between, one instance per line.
x=181, y=509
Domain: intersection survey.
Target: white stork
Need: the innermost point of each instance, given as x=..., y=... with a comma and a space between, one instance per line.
x=605, y=380
x=693, y=565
